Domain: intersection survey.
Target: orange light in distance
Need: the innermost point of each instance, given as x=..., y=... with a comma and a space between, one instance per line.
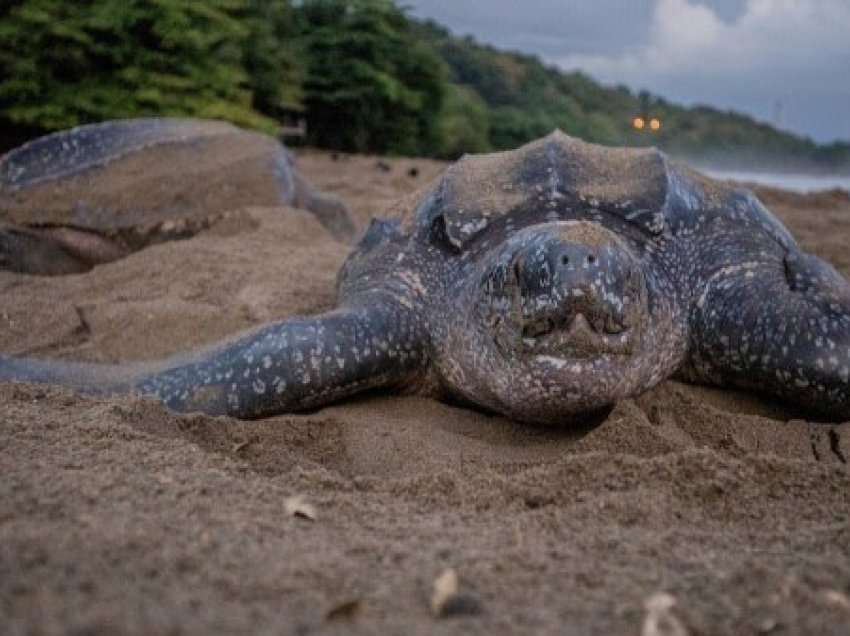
x=654, y=123
x=639, y=123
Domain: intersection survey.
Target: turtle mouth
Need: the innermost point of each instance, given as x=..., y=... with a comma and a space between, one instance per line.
x=573, y=336
x=576, y=336
x=582, y=329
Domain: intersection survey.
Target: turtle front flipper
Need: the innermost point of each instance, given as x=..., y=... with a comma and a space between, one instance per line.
x=780, y=327
x=331, y=212
x=297, y=364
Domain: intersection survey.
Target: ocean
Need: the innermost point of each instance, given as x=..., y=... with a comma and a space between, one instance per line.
x=796, y=182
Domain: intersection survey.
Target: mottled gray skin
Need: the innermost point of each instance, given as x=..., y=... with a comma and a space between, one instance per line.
x=542, y=283
x=90, y=232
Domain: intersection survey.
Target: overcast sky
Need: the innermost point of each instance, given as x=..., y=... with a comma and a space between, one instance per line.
x=783, y=61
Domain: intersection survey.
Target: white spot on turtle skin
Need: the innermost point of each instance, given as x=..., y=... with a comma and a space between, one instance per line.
x=259, y=386
x=558, y=363
x=267, y=362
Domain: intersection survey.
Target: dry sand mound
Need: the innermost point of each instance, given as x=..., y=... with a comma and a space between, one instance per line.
x=117, y=516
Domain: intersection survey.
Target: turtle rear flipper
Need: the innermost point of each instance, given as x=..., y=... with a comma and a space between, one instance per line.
x=778, y=326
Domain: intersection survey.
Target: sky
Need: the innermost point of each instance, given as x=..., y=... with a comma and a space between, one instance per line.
x=786, y=62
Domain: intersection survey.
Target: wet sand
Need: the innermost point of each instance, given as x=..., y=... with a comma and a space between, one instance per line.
x=117, y=516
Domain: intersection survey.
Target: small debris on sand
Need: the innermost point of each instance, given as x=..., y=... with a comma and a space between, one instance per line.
x=660, y=620
x=345, y=611
x=297, y=506
x=448, y=600
x=837, y=599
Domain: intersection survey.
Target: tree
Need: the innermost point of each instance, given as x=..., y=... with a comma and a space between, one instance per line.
x=370, y=84
x=64, y=63
x=464, y=124
x=272, y=56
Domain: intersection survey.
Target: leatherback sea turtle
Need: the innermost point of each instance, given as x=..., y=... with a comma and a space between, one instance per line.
x=540, y=283
x=89, y=195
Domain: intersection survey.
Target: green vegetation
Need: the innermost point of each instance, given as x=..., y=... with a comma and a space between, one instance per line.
x=370, y=84
x=271, y=57
x=64, y=63
x=365, y=75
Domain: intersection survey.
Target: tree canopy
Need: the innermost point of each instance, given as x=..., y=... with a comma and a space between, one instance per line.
x=370, y=84
x=65, y=63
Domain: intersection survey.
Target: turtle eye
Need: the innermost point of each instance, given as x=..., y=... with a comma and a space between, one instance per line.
x=439, y=235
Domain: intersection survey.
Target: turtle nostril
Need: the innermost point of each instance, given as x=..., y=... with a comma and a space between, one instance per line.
x=517, y=271
x=613, y=326
x=565, y=260
x=538, y=328
x=591, y=259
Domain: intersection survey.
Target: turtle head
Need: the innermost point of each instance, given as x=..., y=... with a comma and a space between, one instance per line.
x=553, y=322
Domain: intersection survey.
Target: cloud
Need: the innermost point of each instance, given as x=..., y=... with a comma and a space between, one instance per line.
x=776, y=37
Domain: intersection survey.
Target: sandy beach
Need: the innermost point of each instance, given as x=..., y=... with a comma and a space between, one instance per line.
x=730, y=511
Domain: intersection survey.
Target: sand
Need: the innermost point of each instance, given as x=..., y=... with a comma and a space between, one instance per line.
x=721, y=512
